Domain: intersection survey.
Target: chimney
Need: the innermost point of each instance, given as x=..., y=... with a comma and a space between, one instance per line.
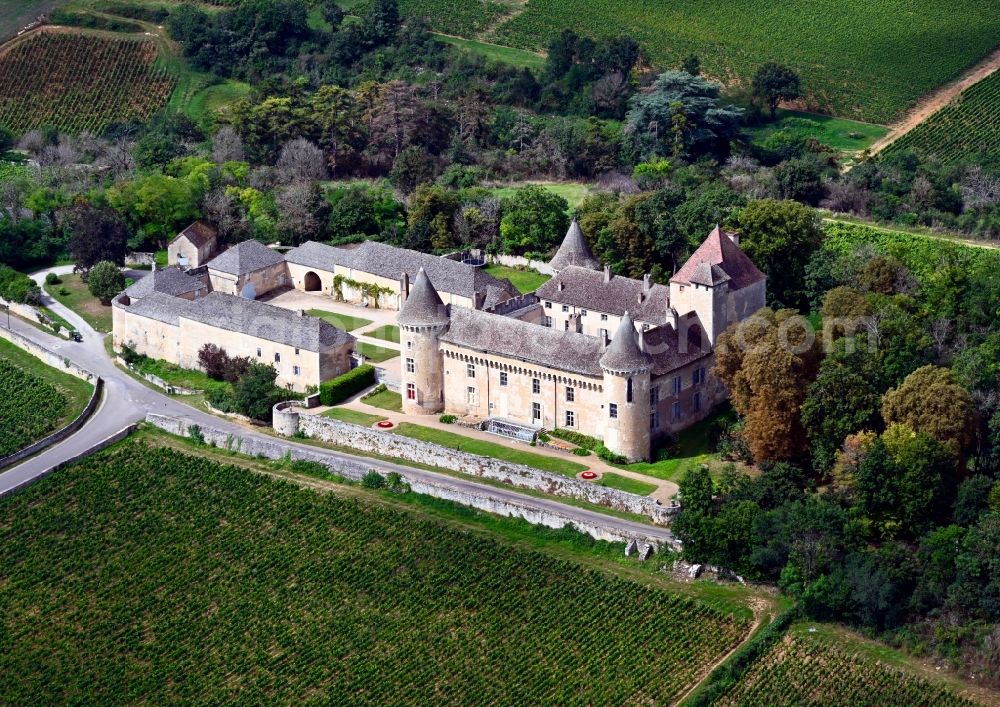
x=642, y=340
x=302, y=312
x=404, y=285
x=607, y=273
x=641, y=296
x=647, y=283
x=734, y=237
x=560, y=285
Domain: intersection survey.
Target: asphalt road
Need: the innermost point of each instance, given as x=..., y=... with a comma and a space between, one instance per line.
x=127, y=401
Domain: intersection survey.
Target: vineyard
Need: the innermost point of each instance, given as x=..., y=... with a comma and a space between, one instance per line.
x=967, y=127
x=801, y=671
x=857, y=58
x=147, y=575
x=30, y=408
x=79, y=82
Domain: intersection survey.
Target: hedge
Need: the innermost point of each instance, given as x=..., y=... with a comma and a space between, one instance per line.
x=341, y=388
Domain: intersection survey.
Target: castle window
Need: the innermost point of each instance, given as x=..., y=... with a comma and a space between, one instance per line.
x=570, y=419
x=547, y=321
x=654, y=395
x=409, y=345
x=296, y=350
x=613, y=411
x=536, y=386
x=628, y=391
x=654, y=420
x=570, y=394
x=604, y=318
x=675, y=411
x=583, y=312
x=676, y=385
x=473, y=395
x=503, y=378
x=548, y=305
x=411, y=366
x=411, y=391
x=536, y=412
x=296, y=370
x=565, y=307
x=698, y=376
x=258, y=352
x=696, y=402
x=566, y=325
x=470, y=370
x=277, y=357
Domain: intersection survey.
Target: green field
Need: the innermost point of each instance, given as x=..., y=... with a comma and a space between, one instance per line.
x=858, y=59
x=79, y=299
x=573, y=192
x=523, y=280
x=483, y=448
x=805, y=669
x=205, y=102
x=967, y=127
x=375, y=353
x=387, y=332
x=353, y=416
x=841, y=134
x=341, y=321
x=624, y=483
x=520, y=58
x=35, y=399
x=147, y=575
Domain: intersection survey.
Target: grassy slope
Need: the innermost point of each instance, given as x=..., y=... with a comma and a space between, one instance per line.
x=387, y=400
x=573, y=192
x=489, y=449
x=375, y=353
x=839, y=133
x=693, y=448
x=225, y=584
x=858, y=59
x=523, y=280
x=520, y=58
x=79, y=299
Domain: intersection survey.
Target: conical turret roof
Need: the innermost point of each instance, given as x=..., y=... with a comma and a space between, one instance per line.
x=623, y=354
x=423, y=307
x=574, y=251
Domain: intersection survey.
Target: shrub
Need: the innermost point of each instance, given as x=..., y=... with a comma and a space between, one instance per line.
x=195, y=434
x=447, y=419
x=609, y=456
x=581, y=452
x=63, y=292
x=52, y=279
x=341, y=388
x=373, y=480
x=130, y=356
x=105, y=281
x=577, y=438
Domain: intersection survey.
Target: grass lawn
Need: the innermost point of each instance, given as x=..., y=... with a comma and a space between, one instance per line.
x=180, y=377
x=523, y=280
x=489, y=449
x=375, y=353
x=206, y=101
x=387, y=400
x=693, y=448
x=387, y=332
x=341, y=321
x=520, y=58
x=79, y=299
x=353, y=416
x=838, y=133
x=57, y=319
x=624, y=483
x=572, y=192
x=76, y=390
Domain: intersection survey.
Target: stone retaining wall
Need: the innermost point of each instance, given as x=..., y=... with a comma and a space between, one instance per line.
x=57, y=361
x=287, y=421
x=33, y=314
x=517, y=261
x=443, y=487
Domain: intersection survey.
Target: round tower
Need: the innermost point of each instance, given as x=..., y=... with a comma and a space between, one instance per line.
x=627, y=374
x=422, y=319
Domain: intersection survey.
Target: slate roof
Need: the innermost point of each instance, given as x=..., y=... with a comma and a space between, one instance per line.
x=423, y=307
x=199, y=233
x=524, y=341
x=391, y=262
x=171, y=281
x=623, y=354
x=722, y=254
x=587, y=289
x=244, y=316
x=246, y=257
x=662, y=343
x=574, y=251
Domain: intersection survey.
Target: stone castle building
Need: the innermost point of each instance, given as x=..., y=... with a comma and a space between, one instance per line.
x=615, y=358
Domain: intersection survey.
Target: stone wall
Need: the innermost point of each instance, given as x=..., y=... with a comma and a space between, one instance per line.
x=33, y=314
x=372, y=441
x=539, y=512
x=517, y=261
x=57, y=361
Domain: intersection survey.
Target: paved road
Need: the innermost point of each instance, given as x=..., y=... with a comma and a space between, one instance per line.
x=127, y=401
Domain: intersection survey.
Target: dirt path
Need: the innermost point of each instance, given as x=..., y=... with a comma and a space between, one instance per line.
x=759, y=609
x=936, y=100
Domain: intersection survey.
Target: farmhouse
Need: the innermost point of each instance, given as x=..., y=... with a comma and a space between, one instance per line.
x=193, y=246
x=304, y=350
x=377, y=274
x=574, y=355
